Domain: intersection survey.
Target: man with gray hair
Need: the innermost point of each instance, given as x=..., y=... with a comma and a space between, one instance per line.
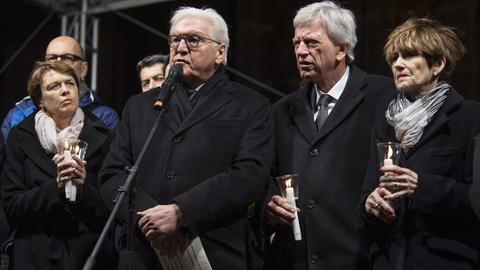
x=209, y=159
x=322, y=133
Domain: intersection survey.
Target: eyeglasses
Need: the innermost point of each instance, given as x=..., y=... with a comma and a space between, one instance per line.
x=192, y=41
x=67, y=58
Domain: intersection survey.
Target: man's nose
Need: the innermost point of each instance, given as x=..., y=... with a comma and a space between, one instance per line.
x=182, y=46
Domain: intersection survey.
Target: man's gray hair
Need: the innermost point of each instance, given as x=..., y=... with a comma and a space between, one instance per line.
x=219, y=29
x=339, y=23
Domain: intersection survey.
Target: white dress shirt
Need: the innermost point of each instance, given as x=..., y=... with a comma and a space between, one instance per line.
x=335, y=92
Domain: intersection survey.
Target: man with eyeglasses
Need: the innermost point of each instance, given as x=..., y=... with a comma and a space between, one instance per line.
x=323, y=134
x=209, y=159
x=68, y=50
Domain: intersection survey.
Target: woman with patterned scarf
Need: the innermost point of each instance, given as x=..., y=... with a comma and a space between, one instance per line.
x=418, y=212
x=52, y=232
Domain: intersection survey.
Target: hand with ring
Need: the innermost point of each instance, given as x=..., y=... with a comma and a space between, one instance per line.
x=378, y=207
x=399, y=181
x=74, y=170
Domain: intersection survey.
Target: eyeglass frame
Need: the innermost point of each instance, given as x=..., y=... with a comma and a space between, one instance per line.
x=183, y=37
x=63, y=58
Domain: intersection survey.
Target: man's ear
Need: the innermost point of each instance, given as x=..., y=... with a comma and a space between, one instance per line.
x=341, y=52
x=84, y=69
x=221, y=54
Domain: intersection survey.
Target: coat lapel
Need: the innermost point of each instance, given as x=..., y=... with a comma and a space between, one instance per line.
x=170, y=117
x=441, y=119
x=34, y=150
x=302, y=115
x=92, y=135
x=348, y=101
x=217, y=92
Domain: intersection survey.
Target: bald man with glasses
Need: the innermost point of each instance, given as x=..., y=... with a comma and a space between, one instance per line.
x=69, y=51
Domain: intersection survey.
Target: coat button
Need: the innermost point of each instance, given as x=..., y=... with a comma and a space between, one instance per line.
x=170, y=174
x=314, y=152
x=177, y=139
x=315, y=258
x=310, y=204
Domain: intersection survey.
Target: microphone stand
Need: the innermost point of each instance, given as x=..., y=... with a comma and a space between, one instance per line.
x=125, y=189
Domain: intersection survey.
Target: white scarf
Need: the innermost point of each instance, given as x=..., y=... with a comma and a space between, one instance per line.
x=410, y=118
x=50, y=136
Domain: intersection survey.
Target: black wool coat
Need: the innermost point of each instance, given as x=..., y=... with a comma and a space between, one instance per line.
x=3, y=219
x=211, y=159
x=475, y=189
x=331, y=163
x=436, y=227
x=52, y=233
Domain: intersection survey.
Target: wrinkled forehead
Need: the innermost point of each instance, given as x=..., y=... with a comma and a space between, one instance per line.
x=311, y=26
x=52, y=76
x=192, y=25
x=151, y=71
x=310, y=30
x=405, y=45
x=63, y=47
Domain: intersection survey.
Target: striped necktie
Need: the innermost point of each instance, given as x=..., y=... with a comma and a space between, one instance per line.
x=322, y=106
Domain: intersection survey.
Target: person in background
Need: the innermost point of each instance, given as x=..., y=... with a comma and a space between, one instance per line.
x=65, y=49
x=322, y=133
x=151, y=71
x=50, y=231
x=418, y=211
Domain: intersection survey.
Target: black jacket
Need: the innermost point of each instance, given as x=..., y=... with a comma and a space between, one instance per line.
x=436, y=228
x=212, y=160
x=51, y=233
x=3, y=219
x=331, y=164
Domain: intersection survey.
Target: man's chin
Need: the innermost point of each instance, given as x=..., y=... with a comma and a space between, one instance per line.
x=307, y=74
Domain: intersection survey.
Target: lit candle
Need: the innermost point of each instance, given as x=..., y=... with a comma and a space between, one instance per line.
x=297, y=234
x=388, y=161
x=68, y=185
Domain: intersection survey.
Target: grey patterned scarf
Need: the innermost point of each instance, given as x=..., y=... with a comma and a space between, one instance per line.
x=410, y=118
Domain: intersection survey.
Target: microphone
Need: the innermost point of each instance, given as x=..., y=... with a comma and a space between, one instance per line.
x=174, y=75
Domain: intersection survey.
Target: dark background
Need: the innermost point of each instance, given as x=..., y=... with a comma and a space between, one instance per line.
x=260, y=33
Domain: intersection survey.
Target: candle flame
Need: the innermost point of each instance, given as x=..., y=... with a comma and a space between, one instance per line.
x=288, y=182
x=390, y=152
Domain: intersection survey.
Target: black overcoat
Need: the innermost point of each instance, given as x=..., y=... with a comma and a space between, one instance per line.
x=331, y=164
x=475, y=189
x=212, y=160
x=436, y=228
x=50, y=232
x=3, y=219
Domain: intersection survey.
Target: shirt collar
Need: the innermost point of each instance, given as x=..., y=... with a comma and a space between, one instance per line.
x=338, y=88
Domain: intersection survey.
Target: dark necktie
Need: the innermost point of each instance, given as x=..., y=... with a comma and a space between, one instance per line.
x=190, y=93
x=322, y=105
